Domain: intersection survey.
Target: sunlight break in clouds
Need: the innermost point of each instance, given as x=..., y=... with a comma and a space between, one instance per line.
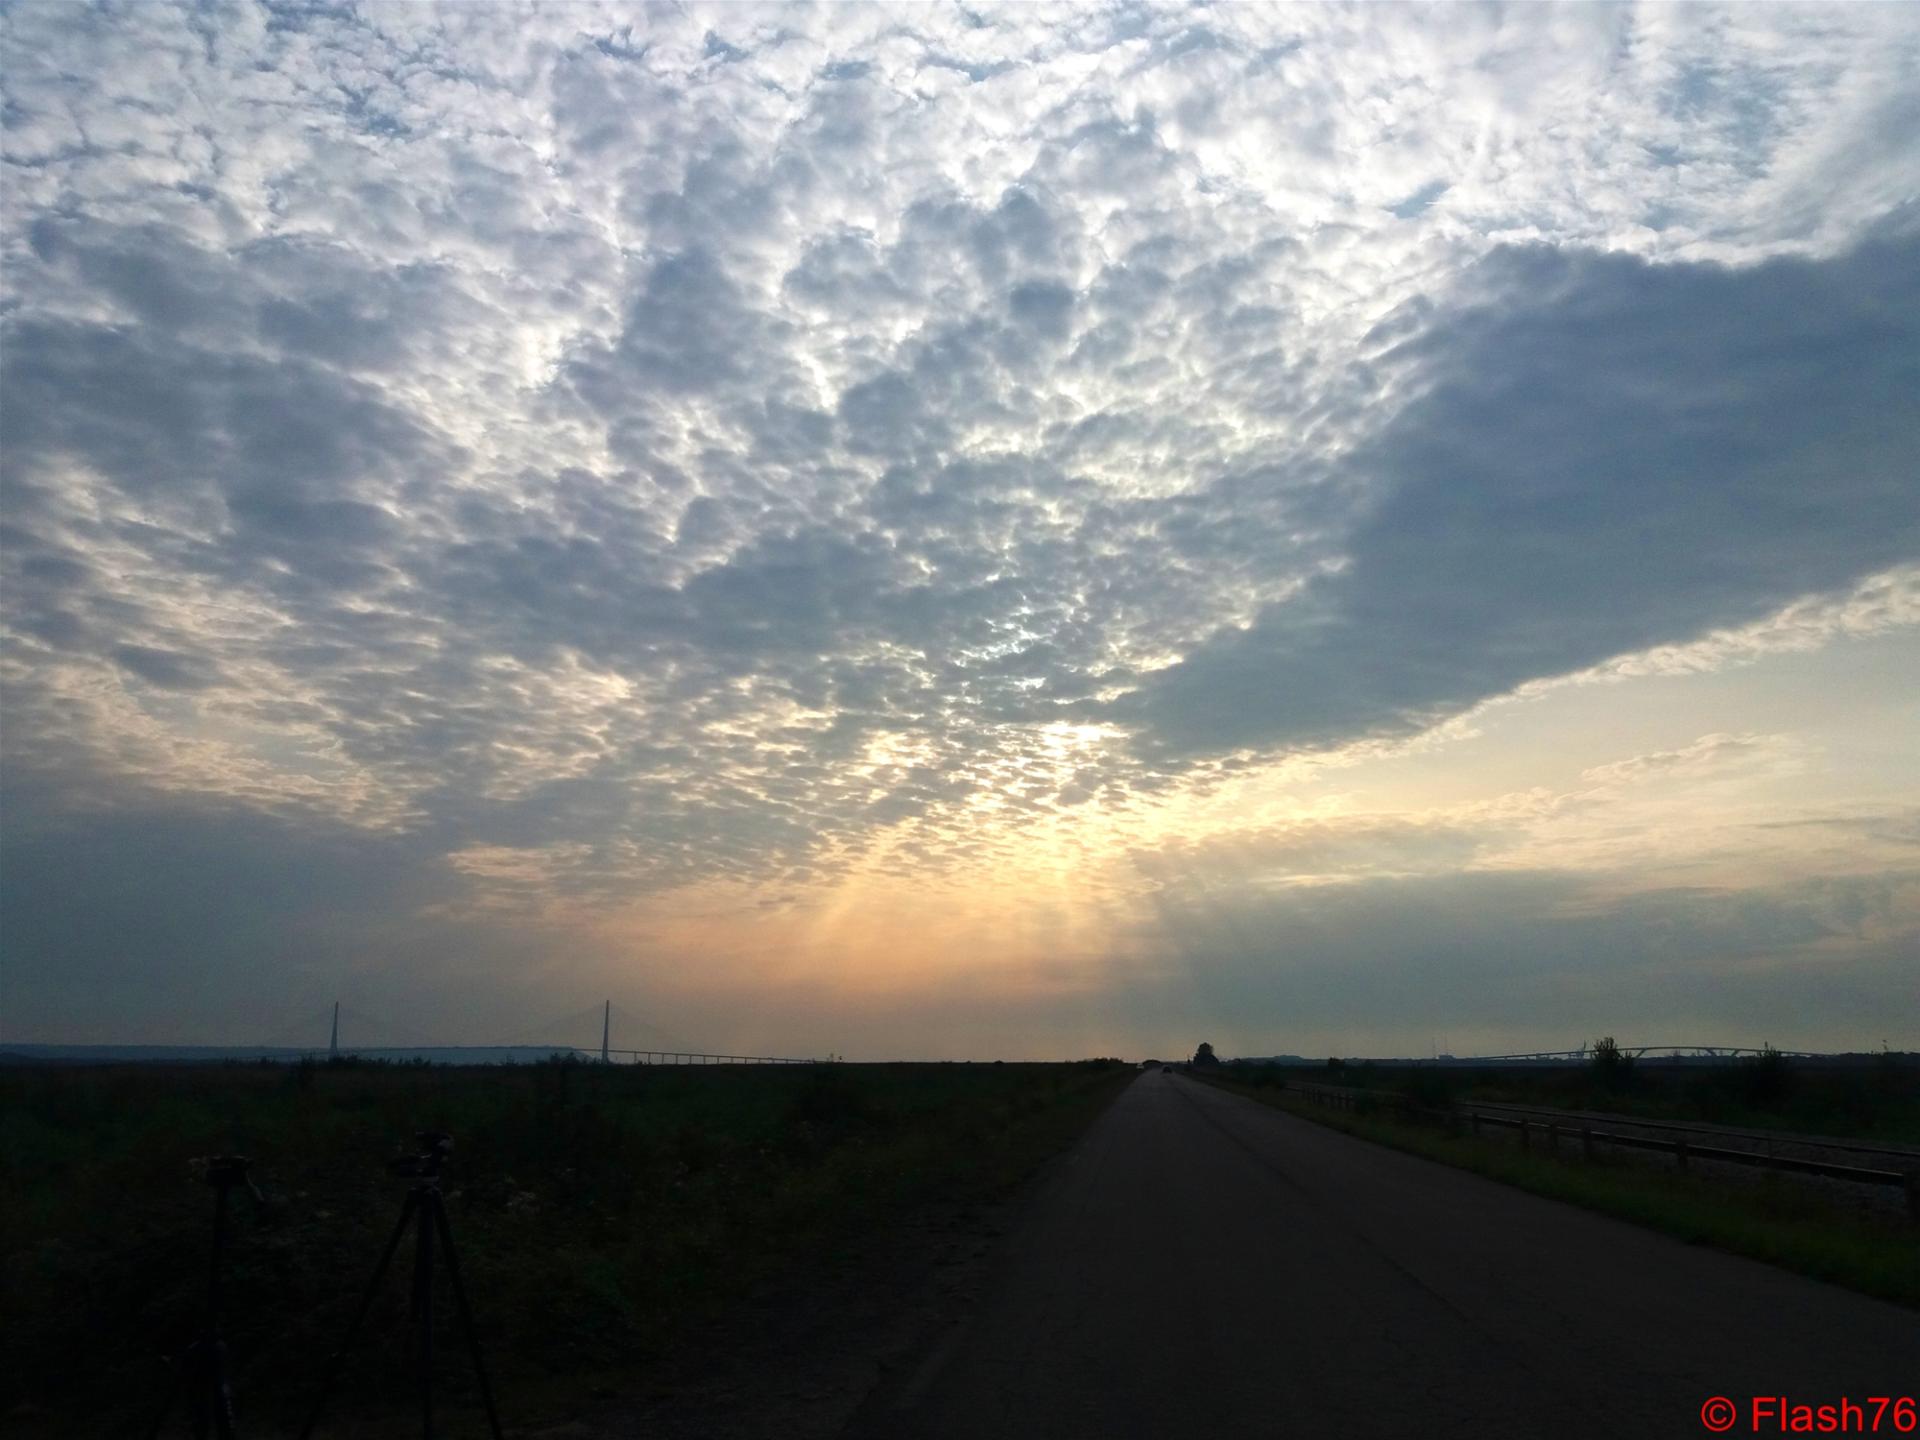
x=941, y=531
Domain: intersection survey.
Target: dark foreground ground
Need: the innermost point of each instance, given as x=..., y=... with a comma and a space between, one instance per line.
x=1201, y=1264
x=854, y=1252
x=625, y=1232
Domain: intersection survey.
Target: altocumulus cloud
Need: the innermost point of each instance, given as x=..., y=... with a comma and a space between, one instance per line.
x=1602, y=456
x=702, y=445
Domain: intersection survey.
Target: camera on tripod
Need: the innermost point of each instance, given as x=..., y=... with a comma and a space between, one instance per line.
x=435, y=1147
x=424, y=1212
x=200, y=1377
x=228, y=1172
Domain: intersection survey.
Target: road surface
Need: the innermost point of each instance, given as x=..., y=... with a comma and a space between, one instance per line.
x=1202, y=1265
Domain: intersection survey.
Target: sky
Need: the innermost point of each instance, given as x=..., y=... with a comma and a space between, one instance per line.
x=959, y=531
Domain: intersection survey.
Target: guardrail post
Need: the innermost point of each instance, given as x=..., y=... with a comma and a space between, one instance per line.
x=1526, y=1134
x=1586, y=1142
x=1473, y=1122
x=1680, y=1152
x=1913, y=1196
x=1553, y=1138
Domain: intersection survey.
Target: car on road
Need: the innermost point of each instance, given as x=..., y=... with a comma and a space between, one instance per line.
x=1166, y=1069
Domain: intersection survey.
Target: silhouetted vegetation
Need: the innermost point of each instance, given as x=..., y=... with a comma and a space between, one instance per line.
x=1260, y=1077
x=1870, y=1099
x=1430, y=1088
x=1204, y=1056
x=599, y=1210
x=1611, y=1068
x=1769, y=1079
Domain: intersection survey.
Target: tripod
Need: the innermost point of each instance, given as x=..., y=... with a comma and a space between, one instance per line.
x=203, y=1368
x=426, y=1212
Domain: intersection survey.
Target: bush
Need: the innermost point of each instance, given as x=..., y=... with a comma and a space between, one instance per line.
x=1769, y=1079
x=1612, y=1068
x=1428, y=1089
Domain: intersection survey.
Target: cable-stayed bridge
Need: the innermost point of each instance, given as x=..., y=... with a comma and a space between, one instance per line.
x=665, y=1051
x=1636, y=1052
x=587, y=1033
x=342, y=1031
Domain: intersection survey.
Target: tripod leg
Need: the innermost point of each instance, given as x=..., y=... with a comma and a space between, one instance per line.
x=439, y=1218
x=174, y=1387
x=423, y=1306
x=203, y=1400
x=360, y=1316
x=201, y=1373
x=222, y=1393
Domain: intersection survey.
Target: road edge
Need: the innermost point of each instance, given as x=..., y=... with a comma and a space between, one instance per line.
x=1880, y=1262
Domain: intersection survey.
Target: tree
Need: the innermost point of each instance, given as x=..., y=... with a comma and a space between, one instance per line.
x=1610, y=1066
x=1769, y=1078
x=1204, y=1055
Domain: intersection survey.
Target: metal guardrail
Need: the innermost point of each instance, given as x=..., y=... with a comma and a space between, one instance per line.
x=1671, y=1052
x=1763, y=1137
x=694, y=1057
x=1682, y=1151
x=1574, y=1119
x=1553, y=1131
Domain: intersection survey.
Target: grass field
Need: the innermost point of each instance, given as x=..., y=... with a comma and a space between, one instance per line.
x=1783, y=1224
x=599, y=1212
x=1878, y=1100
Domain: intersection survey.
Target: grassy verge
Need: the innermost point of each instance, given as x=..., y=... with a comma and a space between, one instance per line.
x=600, y=1213
x=1876, y=1100
x=1783, y=1224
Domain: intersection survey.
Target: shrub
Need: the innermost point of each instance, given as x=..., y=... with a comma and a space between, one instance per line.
x=1428, y=1088
x=1769, y=1078
x=1611, y=1067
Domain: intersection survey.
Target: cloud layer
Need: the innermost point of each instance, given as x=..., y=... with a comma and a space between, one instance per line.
x=587, y=454
x=1604, y=456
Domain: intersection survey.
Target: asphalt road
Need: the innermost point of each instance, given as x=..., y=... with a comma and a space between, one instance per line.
x=1201, y=1265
